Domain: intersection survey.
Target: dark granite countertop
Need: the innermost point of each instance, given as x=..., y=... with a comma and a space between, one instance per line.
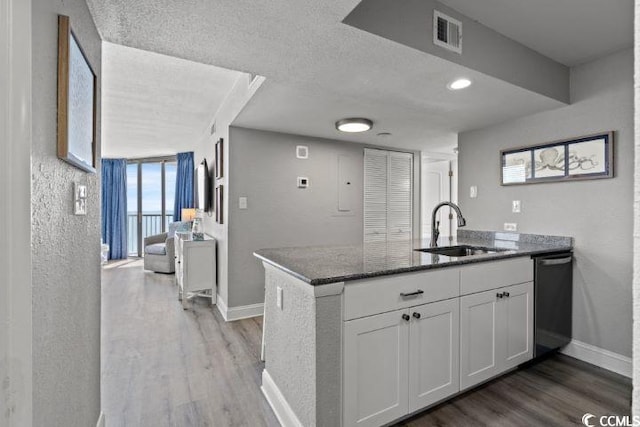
x=319, y=265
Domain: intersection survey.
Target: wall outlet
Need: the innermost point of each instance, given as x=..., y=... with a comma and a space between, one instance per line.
x=473, y=191
x=279, y=297
x=510, y=226
x=515, y=206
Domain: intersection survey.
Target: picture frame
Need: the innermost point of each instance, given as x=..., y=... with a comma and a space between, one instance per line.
x=219, y=158
x=581, y=158
x=77, y=101
x=219, y=199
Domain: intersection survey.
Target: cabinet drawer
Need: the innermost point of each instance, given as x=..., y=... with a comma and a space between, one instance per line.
x=491, y=275
x=378, y=295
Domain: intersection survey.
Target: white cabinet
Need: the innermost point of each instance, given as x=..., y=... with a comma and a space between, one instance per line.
x=196, y=268
x=496, y=332
x=433, y=353
x=376, y=369
x=399, y=362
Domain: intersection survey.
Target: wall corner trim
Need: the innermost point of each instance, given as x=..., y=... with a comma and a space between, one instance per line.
x=599, y=357
x=278, y=403
x=241, y=312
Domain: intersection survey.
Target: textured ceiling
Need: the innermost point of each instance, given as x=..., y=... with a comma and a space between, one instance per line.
x=569, y=31
x=155, y=104
x=318, y=69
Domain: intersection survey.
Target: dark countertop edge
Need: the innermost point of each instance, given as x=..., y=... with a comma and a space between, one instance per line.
x=458, y=261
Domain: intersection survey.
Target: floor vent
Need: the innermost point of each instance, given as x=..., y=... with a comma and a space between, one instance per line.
x=447, y=32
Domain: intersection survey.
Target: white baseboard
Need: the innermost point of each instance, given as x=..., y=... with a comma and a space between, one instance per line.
x=101, y=420
x=600, y=357
x=236, y=313
x=279, y=404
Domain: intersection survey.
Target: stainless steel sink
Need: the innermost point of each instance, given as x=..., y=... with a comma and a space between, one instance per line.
x=461, y=250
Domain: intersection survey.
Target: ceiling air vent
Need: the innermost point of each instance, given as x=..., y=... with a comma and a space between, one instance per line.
x=447, y=32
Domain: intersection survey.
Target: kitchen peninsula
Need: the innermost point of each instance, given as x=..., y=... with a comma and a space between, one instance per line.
x=369, y=334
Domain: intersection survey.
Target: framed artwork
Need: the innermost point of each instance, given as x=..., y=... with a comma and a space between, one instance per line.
x=586, y=157
x=219, y=195
x=76, y=101
x=220, y=158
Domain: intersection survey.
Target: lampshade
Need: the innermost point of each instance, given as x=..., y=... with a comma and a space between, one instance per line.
x=188, y=214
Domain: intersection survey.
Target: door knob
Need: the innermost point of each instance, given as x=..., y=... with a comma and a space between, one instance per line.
x=506, y=294
x=416, y=315
x=499, y=295
x=406, y=317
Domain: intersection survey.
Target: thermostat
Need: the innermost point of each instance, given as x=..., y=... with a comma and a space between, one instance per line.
x=303, y=182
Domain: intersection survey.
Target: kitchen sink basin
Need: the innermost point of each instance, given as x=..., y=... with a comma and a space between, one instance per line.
x=461, y=250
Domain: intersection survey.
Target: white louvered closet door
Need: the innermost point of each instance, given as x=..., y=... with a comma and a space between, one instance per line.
x=388, y=196
x=400, y=197
x=375, y=195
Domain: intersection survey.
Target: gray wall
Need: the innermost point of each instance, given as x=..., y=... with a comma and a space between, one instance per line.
x=410, y=22
x=636, y=252
x=65, y=248
x=264, y=168
x=597, y=213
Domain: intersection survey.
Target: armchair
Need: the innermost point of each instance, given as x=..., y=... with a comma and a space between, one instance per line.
x=159, y=253
x=159, y=249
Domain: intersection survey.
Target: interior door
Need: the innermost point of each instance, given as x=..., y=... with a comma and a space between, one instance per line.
x=479, y=332
x=436, y=187
x=376, y=369
x=434, y=370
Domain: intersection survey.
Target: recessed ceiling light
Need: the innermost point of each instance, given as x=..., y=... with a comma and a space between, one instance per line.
x=459, y=84
x=354, y=125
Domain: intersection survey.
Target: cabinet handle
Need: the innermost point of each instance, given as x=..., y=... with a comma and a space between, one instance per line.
x=406, y=317
x=499, y=295
x=506, y=294
x=411, y=294
x=416, y=315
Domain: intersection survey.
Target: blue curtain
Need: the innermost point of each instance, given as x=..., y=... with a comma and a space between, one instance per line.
x=184, y=184
x=114, y=207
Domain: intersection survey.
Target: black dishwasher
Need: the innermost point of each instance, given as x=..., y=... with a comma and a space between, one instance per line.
x=553, y=293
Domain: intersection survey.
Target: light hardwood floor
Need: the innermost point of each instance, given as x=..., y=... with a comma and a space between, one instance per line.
x=162, y=366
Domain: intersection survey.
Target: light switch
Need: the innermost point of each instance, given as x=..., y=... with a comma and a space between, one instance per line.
x=279, y=297
x=242, y=203
x=516, y=206
x=473, y=191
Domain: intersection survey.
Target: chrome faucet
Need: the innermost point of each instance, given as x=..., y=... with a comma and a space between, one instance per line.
x=435, y=225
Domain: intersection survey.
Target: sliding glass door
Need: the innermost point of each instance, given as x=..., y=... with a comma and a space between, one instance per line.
x=151, y=186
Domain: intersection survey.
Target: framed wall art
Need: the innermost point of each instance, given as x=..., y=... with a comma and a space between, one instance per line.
x=220, y=158
x=77, y=95
x=586, y=157
x=219, y=195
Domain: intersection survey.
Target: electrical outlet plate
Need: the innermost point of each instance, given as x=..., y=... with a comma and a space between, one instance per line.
x=510, y=226
x=473, y=191
x=242, y=203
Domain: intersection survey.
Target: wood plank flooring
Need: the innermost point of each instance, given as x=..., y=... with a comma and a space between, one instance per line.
x=162, y=366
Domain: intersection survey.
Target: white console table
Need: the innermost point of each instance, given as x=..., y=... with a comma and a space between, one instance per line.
x=195, y=268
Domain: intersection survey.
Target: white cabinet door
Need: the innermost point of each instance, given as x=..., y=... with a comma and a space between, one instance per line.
x=375, y=369
x=516, y=310
x=434, y=371
x=479, y=330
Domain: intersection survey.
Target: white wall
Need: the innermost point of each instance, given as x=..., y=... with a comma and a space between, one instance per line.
x=597, y=213
x=65, y=247
x=240, y=94
x=15, y=217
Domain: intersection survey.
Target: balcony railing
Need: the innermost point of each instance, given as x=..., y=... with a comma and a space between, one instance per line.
x=151, y=224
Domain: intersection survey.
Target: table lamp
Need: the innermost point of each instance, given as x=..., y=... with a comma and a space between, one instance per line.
x=188, y=214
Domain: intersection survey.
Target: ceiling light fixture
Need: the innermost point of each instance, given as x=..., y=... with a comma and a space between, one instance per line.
x=354, y=125
x=459, y=84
